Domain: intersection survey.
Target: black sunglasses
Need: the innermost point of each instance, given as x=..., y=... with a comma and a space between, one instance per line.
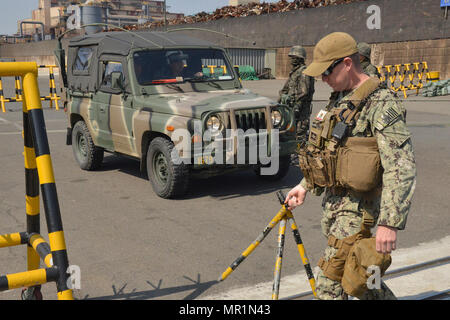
x=333, y=65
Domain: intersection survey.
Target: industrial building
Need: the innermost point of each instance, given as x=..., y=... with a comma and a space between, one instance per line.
x=261, y=36
x=50, y=18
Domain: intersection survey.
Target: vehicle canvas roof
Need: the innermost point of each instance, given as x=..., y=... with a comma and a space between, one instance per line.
x=121, y=42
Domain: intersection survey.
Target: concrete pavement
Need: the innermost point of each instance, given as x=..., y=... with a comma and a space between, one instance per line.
x=130, y=244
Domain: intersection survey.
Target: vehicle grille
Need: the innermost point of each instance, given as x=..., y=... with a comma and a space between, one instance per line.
x=251, y=119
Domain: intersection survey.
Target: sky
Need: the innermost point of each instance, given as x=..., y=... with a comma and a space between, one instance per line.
x=13, y=10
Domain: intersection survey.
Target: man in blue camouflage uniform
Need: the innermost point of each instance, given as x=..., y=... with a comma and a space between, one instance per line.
x=382, y=116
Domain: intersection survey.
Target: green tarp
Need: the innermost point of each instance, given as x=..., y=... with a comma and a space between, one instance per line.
x=248, y=73
x=439, y=88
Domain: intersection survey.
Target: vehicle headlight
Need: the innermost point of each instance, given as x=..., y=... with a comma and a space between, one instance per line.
x=214, y=124
x=276, y=118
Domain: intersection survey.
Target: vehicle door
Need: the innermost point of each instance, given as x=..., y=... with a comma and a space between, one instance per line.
x=114, y=107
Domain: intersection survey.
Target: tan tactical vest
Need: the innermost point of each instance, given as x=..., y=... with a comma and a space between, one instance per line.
x=336, y=160
x=345, y=164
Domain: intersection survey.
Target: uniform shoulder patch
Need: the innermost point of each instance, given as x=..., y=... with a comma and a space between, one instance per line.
x=390, y=113
x=387, y=118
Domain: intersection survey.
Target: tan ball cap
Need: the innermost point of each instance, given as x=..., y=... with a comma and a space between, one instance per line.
x=330, y=48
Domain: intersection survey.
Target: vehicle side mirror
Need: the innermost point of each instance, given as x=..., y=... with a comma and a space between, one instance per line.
x=236, y=69
x=117, y=80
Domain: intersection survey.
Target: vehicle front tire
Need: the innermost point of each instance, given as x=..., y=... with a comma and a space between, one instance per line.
x=168, y=179
x=88, y=156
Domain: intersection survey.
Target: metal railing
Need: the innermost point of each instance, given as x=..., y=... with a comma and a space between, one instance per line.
x=52, y=97
x=38, y=172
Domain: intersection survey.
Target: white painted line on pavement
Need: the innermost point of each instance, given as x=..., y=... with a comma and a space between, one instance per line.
x=410, y=286
x=17, y=132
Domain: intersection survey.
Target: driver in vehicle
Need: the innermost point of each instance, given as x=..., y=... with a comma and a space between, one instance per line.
x=176, y=61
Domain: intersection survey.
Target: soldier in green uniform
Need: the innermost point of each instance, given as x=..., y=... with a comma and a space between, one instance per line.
x=371, y=188
x=364, y=55
x=298, y=92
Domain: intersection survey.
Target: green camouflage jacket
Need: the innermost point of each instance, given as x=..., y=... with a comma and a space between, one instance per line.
x=300, y=88
x=370, y=69
x=383, y=116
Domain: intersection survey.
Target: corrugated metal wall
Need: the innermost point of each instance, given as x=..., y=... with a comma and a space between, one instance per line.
x=249, y=57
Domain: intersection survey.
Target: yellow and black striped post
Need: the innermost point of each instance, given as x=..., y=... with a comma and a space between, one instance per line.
x=419, y=83
x=397, y=75
x=390, y=75
x=424, y=71
x=410, y=73
x=32, y=208
x=283, y=215
x=254, y=244
x=2, y=96
x=401, y=71
x=52, y=95
x=38, y=171
x=383, y=75
x=279, y=259
x=18, y=88
x=302, y=252
x=47, y=183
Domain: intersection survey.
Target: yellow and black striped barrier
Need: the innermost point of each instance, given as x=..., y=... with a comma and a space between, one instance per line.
x=404, y=77
x=38, y=172
x=52, y=97
x=282, y=216
x=212, y=68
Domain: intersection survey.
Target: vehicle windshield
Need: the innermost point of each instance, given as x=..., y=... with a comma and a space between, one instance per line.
x=174, y=66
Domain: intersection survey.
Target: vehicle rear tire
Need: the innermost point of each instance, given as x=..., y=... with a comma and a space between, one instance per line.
x=88, y=156
x=283, y=169
x=169, y=180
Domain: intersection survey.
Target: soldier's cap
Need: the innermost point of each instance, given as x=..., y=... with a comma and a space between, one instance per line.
x=364, y=49
x=297, y=51
x=174, y=56
x=330, y=48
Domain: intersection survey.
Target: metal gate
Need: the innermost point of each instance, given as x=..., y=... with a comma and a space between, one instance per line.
x=249, y=57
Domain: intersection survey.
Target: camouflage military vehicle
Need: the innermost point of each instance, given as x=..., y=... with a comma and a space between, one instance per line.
x=130, y=93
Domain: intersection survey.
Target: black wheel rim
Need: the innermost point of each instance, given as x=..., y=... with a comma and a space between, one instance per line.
x=81, y=145
x=160, y=168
